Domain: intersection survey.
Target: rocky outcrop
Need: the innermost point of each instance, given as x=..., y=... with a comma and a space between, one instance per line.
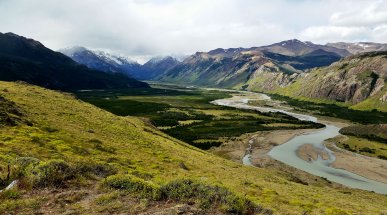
x=353, y=79
x=245, y=70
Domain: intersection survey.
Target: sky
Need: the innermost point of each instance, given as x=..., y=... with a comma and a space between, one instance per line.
x=145, y=28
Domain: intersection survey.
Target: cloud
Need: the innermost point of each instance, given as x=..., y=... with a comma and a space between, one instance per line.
x=373, y=14
x=334, y=33
x=143, y=28
x=359, y=21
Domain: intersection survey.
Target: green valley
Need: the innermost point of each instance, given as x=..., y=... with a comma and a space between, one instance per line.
x=186, y=113
x=71, y=157
x=194, y=107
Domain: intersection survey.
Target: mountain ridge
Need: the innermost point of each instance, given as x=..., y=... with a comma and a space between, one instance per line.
x=359, y=80
x=112, y=63
x=24, y=59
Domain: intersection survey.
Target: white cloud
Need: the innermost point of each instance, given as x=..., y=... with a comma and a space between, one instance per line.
x=334, y=33
x=358, y=21
x=157, y=27
x=373, y=14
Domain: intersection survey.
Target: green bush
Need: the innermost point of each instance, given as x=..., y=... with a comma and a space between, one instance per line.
x=90, y=168
x=133, y=185
x=57, y=173
x=382, y=157
x=15, y=169
x=209, y=196
x=368, y=150
x=53, y=173
x=186, y=190
x=10, y=194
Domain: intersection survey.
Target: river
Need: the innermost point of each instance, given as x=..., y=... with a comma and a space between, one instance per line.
x=286, y=152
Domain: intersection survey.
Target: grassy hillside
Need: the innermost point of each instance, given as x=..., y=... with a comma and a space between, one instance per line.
x=141, y=165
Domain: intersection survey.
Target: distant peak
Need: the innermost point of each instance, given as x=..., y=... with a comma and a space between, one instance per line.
x=161, y=58
x=12, y=34
x=30, y=41
x=70, y=51
x=294, y=41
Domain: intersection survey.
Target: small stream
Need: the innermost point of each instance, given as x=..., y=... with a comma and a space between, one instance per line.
x=286, y=152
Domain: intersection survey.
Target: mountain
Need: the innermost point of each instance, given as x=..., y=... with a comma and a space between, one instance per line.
x=293, y=68
x=296, y=47
x=118, y=64
x=72, y=157
x=156, y=67
x=220, y=70
x=359, y=80
x=23, y=59
x=360, y=47
x=316, y=58
x=263, y=68
x=101, y=60
x=288, y=56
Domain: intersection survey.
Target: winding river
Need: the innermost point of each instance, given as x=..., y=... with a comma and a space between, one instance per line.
x=286, y=152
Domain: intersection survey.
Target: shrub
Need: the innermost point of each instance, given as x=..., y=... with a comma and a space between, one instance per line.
x=15, y=170
x=53, y=173
x=368, y=150
x=56, y=173
x=9, y=194
x=209, y=196
x=382, y=157
x=133, y=185
x=88, y=168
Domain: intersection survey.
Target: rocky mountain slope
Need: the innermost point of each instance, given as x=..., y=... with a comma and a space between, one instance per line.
x=263, y=68
x=359, y=80
x=296, y=47
x=293, y=68
x=102, y=60
x=110, y=164
x=209, y=69
x=156, y=67
x=28, y=60
x=360, y=47
x=118, y=64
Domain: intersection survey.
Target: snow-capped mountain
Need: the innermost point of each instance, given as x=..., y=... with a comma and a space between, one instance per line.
x=157, y=66
x=102, y=60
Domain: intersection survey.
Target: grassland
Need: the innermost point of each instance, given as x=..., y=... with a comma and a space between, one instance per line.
x=333, y=109
x=72, y=157
x=187, y=114
x=362, y=146
x=370, y=140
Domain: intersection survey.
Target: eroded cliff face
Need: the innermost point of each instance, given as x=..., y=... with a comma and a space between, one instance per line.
x=353, y=80
x=246, y=70
x=269, y=77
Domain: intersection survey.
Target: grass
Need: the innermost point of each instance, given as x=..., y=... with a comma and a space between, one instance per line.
x=363, y=146
x=206, y=126
x=334, y=109
x=369, y=140
x=143, y=152
x=371, y=132
x=373, y=103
